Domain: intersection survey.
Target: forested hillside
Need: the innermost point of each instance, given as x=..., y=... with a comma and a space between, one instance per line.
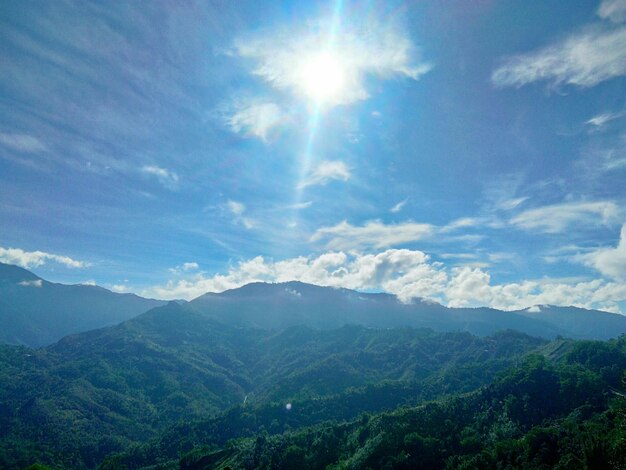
x=174, y=384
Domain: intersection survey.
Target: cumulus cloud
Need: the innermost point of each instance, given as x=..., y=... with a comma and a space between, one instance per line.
x=609, y=261
x=613, y=10
x=293, y=58
x=32, y=259
x=556, y=218
x=185, y=267
x=167, y=178
x=35, y=283
x=22, y=142
x=406, y=273
x=584, y=59
x=398, y=271
x=256, y=120
x=374, y=233
x=327, y=171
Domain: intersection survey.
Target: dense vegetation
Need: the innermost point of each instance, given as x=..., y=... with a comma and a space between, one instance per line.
x=174, y=388
x=99, y=392
x=539, y=414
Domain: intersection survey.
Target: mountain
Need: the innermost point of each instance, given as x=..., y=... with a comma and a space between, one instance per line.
x=35, y=312
x=277, y=306
x=539, y=414
x=94, y=393
x=578, y=322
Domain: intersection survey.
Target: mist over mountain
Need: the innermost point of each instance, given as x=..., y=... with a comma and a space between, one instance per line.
x=35, y=312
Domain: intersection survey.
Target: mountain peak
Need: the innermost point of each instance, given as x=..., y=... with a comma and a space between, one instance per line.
x=12, y=273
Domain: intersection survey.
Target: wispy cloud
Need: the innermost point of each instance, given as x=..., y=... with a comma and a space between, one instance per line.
x=510, y=204
x=398, y=207
x=22, y=142
x=463, y=222
x=584, y=59
x=600, y=120
x=237, y=209
x=167, y=178
x=32, y=259
x=558, y=217
x=256, y=120
x=374, y=233
x=613, y=10
x=327, y=171
x=291, y=58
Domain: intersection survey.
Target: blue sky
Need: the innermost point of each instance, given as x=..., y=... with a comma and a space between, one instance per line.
x=473, y=153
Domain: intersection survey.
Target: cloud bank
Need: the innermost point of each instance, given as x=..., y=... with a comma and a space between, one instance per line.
x=406, y=273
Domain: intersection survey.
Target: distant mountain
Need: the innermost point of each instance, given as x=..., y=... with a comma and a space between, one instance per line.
x=35, y=312
x=277, y=306
x=578, y=322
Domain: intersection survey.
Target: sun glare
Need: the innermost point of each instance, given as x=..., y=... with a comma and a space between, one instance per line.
x=322, y=77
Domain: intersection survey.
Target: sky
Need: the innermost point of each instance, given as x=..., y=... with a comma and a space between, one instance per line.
x=470, y=153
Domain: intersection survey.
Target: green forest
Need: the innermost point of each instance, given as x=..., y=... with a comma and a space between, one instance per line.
x=171, y=389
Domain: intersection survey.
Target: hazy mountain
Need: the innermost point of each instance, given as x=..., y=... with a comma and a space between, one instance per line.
x=35, y=312
x=579, y=322
x=276, y=306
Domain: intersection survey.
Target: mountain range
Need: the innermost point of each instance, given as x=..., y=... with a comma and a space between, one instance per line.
x=252, y=377
x=35, y=312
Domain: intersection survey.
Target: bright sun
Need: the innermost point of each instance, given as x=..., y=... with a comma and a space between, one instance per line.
x=322, y=77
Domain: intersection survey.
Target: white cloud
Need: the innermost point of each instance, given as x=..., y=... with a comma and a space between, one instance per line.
x=393, y=270
x=190, y=266
x=35, y=283
x=613, y=10
x=556, y=218
x=167, y=178
x=609, y=261
x=374, y=233
x=185, y=267
x=601, y=119
x=237, y=208
x=257, y=120
x=584, y=59
x=22, y=142
x=406, y=273
x=398, y=207
x=303, y=59
x=463, y=222
x=121, y=288
x=88, y=282
x=32, y=259
x=510, y=204
x=327, y=171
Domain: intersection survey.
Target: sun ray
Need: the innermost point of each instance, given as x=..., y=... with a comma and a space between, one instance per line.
x=328, y=62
